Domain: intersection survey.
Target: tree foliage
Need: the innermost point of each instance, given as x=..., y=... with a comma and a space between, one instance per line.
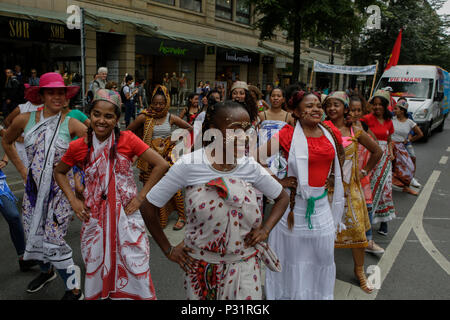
x=424, y=38
x=306, y=19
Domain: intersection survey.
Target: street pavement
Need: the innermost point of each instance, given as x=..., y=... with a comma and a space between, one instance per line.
x=414, y=266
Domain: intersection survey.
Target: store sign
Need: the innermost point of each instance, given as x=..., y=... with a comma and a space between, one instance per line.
x=237, y=56
x=234, y=57
x=171, y=48
x=31, y=30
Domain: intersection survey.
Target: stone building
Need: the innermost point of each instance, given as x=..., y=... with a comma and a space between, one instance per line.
x=208, y=40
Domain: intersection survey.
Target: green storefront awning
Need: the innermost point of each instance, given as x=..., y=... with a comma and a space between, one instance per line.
x=205, y=41
x=33, y=13
x=277, y=51
x=140, y=23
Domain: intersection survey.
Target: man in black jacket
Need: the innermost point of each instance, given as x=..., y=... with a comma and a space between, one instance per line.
x=13, y=93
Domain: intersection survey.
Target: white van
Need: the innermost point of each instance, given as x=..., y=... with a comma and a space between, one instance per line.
x=423, y=86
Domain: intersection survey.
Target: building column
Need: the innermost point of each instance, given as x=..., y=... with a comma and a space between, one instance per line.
x=127, y=52
x=206, y=69
x=91, y=55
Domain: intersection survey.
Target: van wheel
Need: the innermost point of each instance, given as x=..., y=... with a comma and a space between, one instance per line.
x=427, y=132
x=441, y=126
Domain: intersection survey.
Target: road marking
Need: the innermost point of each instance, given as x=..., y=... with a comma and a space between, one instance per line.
x=448, y=149
x=413, y=221
x=443, y=160
x=15, y=182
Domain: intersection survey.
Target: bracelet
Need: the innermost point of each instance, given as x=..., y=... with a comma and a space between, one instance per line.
x=169, y=252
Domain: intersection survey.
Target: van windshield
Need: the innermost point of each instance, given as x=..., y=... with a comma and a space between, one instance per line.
x=408, y=87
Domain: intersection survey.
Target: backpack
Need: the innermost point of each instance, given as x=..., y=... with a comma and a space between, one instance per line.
x=122, y=94
x=90, y=94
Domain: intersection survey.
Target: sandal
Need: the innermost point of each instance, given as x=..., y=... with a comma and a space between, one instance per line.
x=359, y=272
x=163, y=218
x=410, y=191
x=180, y=224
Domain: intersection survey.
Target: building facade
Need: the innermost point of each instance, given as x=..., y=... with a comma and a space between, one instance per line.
x=193, y=40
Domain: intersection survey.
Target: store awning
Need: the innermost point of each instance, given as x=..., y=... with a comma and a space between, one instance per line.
x=205, y=41
x=115, y=18
x=33, y=13
x=277, y=51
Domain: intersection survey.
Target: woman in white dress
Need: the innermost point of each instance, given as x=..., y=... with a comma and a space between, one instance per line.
x=304, y=237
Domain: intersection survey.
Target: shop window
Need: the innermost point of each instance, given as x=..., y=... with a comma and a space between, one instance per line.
x=194, y=5
x=224, y=9
x=242, y=12
x=169, y=2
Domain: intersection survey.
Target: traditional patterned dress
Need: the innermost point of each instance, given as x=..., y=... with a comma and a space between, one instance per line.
x=221, y=210
x=383, y=209
x=356, y=217
x=403, y=166
x=114, y=246
x=159, y=138
x=46, y=210
x=306, y=251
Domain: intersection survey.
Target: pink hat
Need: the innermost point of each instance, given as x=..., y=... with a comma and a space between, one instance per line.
x=49, y=80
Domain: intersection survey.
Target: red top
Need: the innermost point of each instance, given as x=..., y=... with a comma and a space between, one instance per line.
x=129, y=145
x=381, y=131
x=320, y=151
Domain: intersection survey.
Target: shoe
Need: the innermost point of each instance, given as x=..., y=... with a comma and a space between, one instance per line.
x=382, y=232
x=410, y=191
x=415, y=183
x=38, y=283
x=396, y=188
x=69, y=295
x=26, y=265
x=374, y=248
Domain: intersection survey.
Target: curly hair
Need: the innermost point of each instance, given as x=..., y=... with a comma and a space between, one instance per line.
x=298, y=97
x=249, y=104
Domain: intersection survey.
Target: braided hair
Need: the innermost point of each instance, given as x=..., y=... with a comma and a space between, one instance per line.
x=214, y=110
x=113, y=150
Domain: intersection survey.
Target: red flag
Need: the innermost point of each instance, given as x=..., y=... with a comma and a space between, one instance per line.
x=393, y=58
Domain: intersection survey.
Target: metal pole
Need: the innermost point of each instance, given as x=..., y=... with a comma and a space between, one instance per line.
x=83, y=60
x=373, y=82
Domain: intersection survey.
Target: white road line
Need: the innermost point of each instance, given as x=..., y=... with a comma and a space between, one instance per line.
x=448, y=149
x=443, y=160
x=419, y=230
x=392, y=251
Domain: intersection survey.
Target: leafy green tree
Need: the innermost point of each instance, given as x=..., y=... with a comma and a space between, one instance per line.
x=306, y=19
x=424, y=39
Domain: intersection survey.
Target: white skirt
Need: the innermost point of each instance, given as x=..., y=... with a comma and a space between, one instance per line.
x=306, y=256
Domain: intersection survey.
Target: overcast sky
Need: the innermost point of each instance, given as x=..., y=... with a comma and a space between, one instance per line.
x=445, y=9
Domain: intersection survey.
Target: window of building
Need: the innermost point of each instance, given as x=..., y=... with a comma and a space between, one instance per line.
x=170, y=2
x=194, y=5
x=224, y=9
x=242, y=12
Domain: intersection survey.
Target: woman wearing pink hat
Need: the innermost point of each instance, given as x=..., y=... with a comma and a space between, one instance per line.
x=46, y=210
